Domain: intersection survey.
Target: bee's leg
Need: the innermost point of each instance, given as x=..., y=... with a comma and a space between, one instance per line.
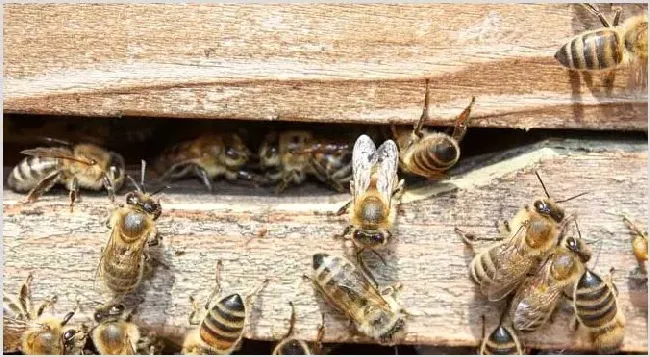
x=595, y=11
x=43, y=186
x=284, y=183
x=194, y=318
x=608, y=81
x=248, y=302
x=318, y=344
x=25, y=297
x=321, y=173
x=203, y=176
x=573, y=324
x=156, y=237
x=346, y=231
x=482, y=333
x=45, y=304
x=343, y=208
x=74, y=192
x=108, y=185
x=610, y=280
x=217, y=283
x=417, y=129
x=470, y=238
x=503, y=228
x=462, y=122
x=364, y=268
x=399, y=190
x=617, y=15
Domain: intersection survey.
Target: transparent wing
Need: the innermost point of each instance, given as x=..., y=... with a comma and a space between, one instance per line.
x=362, y=162
x=534, y=301
x=57, y=153
x=388, y=161
x=511, y=267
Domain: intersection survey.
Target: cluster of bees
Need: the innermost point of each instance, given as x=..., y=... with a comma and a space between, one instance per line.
x=534, y=264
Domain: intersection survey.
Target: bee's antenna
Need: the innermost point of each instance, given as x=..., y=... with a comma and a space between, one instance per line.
x=574, y=197
x=67, y=318
x=600, y=247
x=575, y=222
x=161, y=189
x=134, y=182
x=543, y=186
x=142, y=172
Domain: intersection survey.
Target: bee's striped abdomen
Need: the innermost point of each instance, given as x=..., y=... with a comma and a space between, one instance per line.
x=122, y=269
x=500, y=342
x=434, y=154
x=223, y=325
x=292, y=347
x=170, y=157
x=595, y=302
x=30, y=171
x=484, y=267
x=592, y=51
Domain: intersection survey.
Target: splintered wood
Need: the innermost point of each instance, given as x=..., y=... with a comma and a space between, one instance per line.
x=316, y=62
x=62, y=248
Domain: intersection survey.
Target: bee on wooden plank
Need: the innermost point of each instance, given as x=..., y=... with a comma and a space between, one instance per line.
x=502, y=340
x=292, y=346
x=32, y=331
x=609, y=47
x=207, y=157
x=115, y=334
x=374, y=312
x=82, y=166
x=222, y=324
x=525, y=242
x=430, y=154
x=537, y=297
x=639, y=240
x=133, y=230
x=290, y=156
x=374, y=184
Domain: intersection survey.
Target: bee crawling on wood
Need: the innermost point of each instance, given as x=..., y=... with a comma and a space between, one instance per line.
x=292, y=346
x=374, y=312
x=289, y=156
x=525, y=242
x=609, y=47
x=32, y=331
x=431, y=154
x=207, y=157
x=639, y=241
x=221, y=325
x=133, y=231
x=374, y=184
x=84, y=165
x=502, y=341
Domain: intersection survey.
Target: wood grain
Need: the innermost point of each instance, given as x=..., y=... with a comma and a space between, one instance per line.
x=62, y=249
x=316, y=62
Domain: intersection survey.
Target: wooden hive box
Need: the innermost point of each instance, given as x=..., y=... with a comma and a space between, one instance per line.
x=351, y=64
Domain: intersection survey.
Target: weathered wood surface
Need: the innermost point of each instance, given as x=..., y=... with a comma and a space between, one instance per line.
x=62, y=249
x=316, y=62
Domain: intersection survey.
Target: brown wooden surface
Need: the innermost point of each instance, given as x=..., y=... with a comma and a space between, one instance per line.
x=316, y=62
x=62, y=249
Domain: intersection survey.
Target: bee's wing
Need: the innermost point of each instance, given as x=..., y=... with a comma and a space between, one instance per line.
x=57, y=153
x=108, y=248
x=510, y=266
x=362, y=162
x=388, y=161
x=535, y=300
x=12, y=331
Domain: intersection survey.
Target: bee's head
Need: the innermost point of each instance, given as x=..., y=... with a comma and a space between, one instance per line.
x=109, y=313
x=236, y=153
x=386, y=324
x=369, y=237
x=269, y=152
x=144, y=202
x=546, y=207
x=636, y=38
x=578, y=247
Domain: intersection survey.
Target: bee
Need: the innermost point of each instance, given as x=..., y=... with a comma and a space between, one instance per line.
x=375, y=313
x=289, y=156
x=115, y=334
x=596, y=310
x=537, y=297
x=124, y=258
x=639, y=242
x=430, y=154
x=84, y=165
x=526, y=241
x=502, y=341
x=222, y=325
x=291, y=346
x=31, y=331
x=373, y=187
x=608, y=47
x=207, y=157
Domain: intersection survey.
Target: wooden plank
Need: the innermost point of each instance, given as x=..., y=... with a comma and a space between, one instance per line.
x=62, y=249
x=316, y=62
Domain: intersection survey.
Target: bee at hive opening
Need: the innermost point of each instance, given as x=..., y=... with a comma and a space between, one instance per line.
x=289, y=345
x=207, y=157
x=32, y=331
x=79, y=166
x=373, y=187
x=503, y=340
x=126, y=256
x=430, y=154
x=610, y=47
x=523, y=244
x=221, y=325
x=374, y=312
x=290, y=156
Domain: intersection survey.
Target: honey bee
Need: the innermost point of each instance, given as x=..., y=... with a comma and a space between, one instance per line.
x=222, y=325
x=596, y=310
x=608, y=47
x=527, y=240
x=115, y=334
x=84, y=165
x=125, y=256
x=537, y=297
x=289, y=156
x=207, y=157
x=502, y=341
x=430, y=154
x=373, y=187
x=32, y=332
x=291, y=346
x=375, y=313
x=639, y=242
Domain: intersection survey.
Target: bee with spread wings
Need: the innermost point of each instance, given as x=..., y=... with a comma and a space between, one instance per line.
x=374, y=184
